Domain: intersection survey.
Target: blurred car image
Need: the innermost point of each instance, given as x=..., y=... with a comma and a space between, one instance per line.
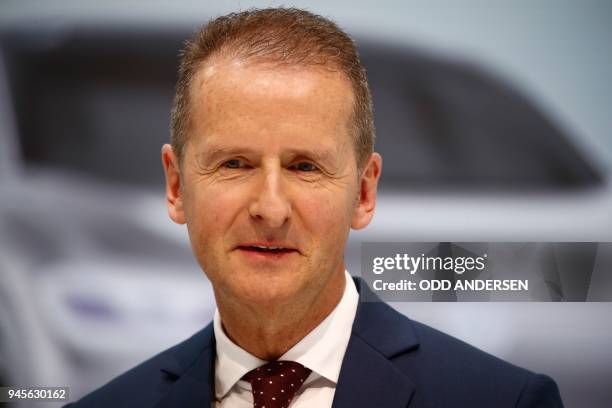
x=95, y=277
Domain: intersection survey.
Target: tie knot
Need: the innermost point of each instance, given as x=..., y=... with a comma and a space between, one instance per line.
x=275, y=384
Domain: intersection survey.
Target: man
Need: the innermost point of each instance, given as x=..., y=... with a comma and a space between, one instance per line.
x=270, y=166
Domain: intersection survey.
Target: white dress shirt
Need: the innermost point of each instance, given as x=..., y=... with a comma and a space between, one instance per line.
x=322, y=350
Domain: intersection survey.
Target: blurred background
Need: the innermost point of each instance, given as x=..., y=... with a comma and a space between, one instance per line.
x=493, y=117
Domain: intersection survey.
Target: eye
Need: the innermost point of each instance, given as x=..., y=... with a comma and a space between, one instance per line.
x=233, y=164
x=305, y=166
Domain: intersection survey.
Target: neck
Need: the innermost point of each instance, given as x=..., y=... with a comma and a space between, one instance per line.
x=269, y=331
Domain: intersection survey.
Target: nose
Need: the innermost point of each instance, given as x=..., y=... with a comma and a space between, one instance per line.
x=271, y=204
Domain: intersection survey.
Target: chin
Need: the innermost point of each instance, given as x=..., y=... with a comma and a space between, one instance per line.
x=265, y=292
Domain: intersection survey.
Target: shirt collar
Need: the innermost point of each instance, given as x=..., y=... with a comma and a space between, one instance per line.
x=322, y=350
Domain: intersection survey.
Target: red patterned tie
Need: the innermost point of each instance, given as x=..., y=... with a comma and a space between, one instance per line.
x=275, y=384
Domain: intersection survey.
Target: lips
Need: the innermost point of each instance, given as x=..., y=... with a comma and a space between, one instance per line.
x=266, y=248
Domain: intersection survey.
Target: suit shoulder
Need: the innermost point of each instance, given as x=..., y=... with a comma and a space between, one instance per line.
x=455, y=352
x=144, y=384
x=456, y=356
x=477, y=376
x=445, y=371
x=540, y=391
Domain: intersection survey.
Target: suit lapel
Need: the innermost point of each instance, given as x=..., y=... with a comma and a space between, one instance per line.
x=369, y=377
x=190, y=372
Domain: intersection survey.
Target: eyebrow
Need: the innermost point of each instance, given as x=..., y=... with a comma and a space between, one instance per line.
x=324, y=156
x=214, y=153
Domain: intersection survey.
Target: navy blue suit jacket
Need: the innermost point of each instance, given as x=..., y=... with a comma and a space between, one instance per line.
x=390, y=362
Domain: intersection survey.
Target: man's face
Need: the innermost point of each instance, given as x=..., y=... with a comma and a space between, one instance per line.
x=270, y=186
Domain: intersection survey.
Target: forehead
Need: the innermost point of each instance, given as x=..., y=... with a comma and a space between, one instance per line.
x=259, y=99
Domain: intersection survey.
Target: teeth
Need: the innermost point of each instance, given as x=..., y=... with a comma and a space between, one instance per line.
x=266, y=247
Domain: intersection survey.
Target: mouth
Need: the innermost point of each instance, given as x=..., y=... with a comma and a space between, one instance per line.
x=266, y=251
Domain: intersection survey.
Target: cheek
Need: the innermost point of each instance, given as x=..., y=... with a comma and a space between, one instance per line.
x=327, y=213
x=210, y=212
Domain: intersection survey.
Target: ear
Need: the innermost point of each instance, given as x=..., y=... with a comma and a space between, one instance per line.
x=368, y=184
x=174, y=197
